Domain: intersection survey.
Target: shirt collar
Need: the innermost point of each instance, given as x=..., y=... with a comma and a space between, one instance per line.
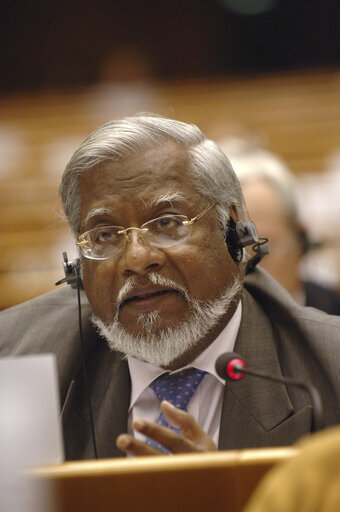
x=142, y=374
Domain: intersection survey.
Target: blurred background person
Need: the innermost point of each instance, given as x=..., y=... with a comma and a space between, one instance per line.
x=308, y=482
x=269, y=190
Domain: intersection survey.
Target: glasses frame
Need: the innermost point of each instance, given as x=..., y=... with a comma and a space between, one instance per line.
x=81, y=241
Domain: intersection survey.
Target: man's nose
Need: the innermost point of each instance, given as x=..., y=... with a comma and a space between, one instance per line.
x=139, y=257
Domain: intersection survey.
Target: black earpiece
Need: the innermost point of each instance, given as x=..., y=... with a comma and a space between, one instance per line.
x=71, y=269
x=240, y=235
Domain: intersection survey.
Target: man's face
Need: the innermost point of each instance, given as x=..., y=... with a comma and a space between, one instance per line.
x=130, y=193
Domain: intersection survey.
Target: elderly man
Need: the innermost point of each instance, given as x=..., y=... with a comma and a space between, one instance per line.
x=153, y=205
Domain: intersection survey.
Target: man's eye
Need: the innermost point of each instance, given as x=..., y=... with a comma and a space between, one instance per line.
x=166, y=223
x=105, y=236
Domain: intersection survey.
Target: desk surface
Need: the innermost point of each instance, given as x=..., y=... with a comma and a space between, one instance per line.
x=201, y=482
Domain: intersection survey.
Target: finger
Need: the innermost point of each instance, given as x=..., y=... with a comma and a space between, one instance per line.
x=132, y=446
x=188, y=427
x=166, y=437
x=191, y=439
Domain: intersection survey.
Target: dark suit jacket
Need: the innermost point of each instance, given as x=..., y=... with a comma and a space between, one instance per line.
x=319, y=297
x=276, y=336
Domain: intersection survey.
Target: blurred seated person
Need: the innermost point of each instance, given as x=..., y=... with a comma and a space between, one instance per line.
x=269, y=191
x=309, y=482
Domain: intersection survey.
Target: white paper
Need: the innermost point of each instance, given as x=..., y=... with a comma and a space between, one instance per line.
x=30, y=429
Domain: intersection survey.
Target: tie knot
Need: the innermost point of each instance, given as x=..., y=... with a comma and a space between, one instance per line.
x=178, y=388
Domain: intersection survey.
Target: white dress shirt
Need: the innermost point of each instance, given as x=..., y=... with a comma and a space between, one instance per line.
x=206, y=404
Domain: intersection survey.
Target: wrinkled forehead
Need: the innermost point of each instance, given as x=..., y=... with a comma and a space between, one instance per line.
x=157, y=176
x=149, y=202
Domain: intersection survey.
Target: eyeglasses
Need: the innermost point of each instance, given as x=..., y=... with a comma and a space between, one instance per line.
x=166, y=231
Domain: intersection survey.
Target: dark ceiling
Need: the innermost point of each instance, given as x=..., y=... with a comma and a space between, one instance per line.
x=65, y=44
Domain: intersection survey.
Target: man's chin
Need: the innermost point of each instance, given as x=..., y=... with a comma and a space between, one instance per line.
x=149, y=323
x=153, y=344
x=158, y=340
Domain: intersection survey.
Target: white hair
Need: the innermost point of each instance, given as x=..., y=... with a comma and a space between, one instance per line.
x=211, y=170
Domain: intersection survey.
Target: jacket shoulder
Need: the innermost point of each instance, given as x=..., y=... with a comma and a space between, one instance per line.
x=33, y=325
x=279, y=304
x=60, y=296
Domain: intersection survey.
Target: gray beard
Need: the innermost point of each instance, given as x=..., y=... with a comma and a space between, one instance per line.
x=161, y=347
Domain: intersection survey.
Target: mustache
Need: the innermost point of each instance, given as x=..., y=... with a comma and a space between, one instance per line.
x=152, y=278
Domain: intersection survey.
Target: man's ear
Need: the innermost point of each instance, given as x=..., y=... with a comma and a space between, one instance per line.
x=233, y=213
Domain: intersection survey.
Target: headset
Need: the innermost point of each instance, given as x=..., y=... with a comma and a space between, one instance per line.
x=242, y=234
x=72, y=277
x=72, y=272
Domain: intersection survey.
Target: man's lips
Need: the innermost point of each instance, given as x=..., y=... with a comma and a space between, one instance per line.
x=147, y=296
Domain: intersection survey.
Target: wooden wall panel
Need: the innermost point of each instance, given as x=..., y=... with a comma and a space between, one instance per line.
x=298, y=115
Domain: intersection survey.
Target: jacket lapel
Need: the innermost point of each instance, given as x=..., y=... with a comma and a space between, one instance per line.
x=109, y=390
x=257, y=412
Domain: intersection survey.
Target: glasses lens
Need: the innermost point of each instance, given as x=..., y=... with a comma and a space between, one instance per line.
x=100, y=243
x=167, y=231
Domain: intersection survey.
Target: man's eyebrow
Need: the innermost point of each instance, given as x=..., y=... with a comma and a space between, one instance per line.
x=168, y=197
x=96, y=212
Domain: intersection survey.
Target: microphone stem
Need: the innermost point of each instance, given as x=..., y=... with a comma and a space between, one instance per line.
x=311, y=390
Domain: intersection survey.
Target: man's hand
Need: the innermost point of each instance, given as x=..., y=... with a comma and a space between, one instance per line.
x=191, y=439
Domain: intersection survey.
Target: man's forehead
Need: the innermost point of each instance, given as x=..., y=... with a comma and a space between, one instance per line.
x=151, y=182
x=148, y=183
x=168, y=198
x=136, y=177
x=144, y=173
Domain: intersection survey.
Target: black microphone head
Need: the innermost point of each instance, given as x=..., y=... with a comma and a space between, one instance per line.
x=228, y=366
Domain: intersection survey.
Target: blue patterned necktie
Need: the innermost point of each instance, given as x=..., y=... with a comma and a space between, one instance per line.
x=177, y=389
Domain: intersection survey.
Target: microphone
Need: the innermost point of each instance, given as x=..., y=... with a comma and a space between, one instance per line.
x=232, y=366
